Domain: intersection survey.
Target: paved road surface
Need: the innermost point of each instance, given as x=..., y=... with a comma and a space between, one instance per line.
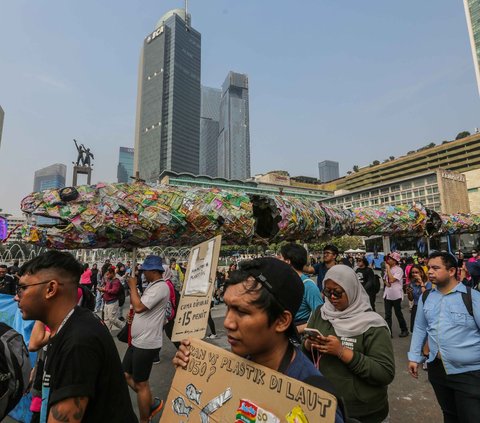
x=410, y=400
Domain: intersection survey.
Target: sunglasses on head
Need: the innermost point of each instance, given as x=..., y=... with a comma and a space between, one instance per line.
x=328, y=293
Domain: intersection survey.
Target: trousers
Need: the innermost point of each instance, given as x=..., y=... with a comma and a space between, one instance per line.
x=111, y=316
x=396, y=305
x=458, y=395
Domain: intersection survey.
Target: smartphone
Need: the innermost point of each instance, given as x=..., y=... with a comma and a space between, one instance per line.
x=312, y=333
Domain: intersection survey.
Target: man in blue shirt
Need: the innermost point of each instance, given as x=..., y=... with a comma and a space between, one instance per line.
x=454, y=341
x=296, y=256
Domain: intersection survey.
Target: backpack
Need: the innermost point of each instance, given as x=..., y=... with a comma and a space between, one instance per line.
x=14, y=369
x=88, y=299
x=172, y=301
x=376, y=284
x=466, y=297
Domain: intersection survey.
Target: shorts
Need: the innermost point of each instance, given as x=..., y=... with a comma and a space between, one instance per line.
x=138, y=362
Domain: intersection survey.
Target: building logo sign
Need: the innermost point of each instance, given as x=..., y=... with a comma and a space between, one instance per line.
x=453, y=176
x=155, y=34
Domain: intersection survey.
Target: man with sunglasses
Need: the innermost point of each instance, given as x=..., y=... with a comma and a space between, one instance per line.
x=262, y=298
x=83, y=379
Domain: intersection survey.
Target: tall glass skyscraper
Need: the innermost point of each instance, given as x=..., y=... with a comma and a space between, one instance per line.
x=472, y=12
x=125, y=164
x=49, y=177
x=168, y=100
x=234, y=138
x=328, y=171
x=209, y=130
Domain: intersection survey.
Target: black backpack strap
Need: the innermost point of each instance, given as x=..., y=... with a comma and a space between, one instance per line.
x=425, y=295
x=467, y=300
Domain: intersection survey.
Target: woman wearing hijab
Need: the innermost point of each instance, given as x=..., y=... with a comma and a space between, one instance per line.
x=354, y=350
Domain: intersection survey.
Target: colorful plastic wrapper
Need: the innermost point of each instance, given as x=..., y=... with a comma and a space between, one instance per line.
x=288, y=218
x=390, y=220
x=459, y=223
x=137, y=215
x=338, y=221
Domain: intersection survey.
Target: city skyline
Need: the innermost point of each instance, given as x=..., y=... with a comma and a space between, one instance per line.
x=353, y=83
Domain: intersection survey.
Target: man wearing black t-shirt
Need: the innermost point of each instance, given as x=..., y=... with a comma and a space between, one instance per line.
x=83, y=379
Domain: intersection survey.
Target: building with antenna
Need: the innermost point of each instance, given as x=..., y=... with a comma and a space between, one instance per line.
x=167, y=129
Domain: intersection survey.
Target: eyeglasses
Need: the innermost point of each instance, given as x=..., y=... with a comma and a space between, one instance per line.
x=336, y=294
x=21, y=288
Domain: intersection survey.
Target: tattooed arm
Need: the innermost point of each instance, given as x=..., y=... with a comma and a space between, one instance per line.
x=70, y=410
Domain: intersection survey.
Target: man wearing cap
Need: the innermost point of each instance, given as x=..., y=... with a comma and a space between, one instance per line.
x=146, y=333
x=262, y=298
x=393, y=293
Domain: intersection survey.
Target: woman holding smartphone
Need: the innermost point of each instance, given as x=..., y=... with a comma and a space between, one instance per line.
x=353, y=350
x=418, y=285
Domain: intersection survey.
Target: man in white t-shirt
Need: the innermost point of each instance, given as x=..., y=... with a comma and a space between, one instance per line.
x=146, y=333
x=393, y=293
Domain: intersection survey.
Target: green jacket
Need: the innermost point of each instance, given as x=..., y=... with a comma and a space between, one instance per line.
x=363, y=382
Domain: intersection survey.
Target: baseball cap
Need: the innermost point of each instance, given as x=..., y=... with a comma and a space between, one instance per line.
x=396, y=256
x=279, y=279
x=152, y=262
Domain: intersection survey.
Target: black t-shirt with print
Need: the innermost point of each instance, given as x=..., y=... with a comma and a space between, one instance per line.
x=82, y=361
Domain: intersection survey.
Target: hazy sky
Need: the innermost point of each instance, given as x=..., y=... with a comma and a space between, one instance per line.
x=350, y=80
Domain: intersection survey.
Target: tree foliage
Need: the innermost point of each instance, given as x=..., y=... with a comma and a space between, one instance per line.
x=462, y=134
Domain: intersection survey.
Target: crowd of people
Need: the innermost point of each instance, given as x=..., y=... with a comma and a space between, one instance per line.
x=313, y=321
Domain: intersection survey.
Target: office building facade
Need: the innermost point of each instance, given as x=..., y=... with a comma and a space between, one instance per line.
x=472, y=13
x=439, y=190
x=209, y=130
x=328, y=170
x=234, y=130
x=125, y=164
x=50, y=177
x=168, y=99
x=457, y=156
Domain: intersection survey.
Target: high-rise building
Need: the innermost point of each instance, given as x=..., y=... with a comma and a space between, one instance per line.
x=234, y=138
x=2, y=115
x=168, y=100
x=472, y=12
x=328, y=170
x=125, y=164
x=209, y=130
x=49, y=177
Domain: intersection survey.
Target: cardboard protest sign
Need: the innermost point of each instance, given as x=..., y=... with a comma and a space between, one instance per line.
x=191, y=318
x=221, y=387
